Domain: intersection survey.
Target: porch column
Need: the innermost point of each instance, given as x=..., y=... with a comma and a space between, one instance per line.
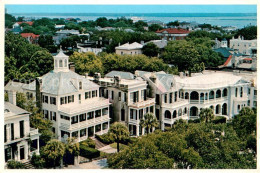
x=26, y=152
x=137, y=130
x=38, y=146
x=208, y=97
x=199, y=97
x=142, y=131
x=78, y=135
x=18, y=152
x=101, y=128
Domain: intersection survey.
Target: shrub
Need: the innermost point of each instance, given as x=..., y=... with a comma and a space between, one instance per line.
x=105, y=138
x=88, y=152
x=219, y=119
x=89, y=143
x=12, y=164
x=194, y=121
x=37, y=161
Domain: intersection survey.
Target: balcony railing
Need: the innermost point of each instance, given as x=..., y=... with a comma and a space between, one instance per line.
x=208, y=101
x=144, y=103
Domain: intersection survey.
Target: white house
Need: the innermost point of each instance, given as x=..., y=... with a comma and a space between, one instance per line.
x=183, y=97
x=70, y=101
x=20, y=140
x=129, y=49
x=243, y=46
x=129, y=98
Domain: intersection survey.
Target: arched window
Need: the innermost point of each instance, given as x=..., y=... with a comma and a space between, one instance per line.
x=211, y=95
x=218, y=94
x=224, y=109
x=238, y=107
x=201, y=96
x=193, y=111
x=217, y=109
x=184, y=111
x=186, y=95
x=167, y=114
x=194, y=95
x=236, y=92
x=174, y=114
x=241, y=92
x=179, y=112
x=206, y=96
x=224, y=93
x=60, y=63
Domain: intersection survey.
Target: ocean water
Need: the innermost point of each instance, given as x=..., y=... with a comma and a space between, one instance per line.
x=239, y=20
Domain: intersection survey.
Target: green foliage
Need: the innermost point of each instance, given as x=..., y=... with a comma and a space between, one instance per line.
x=148, y=122
x=219, y=119
x=53, y=152
x=21, y=100
x=249, y=33
x=155, y=27
x=175, y=23
x=150, y=50
x=88, y=143
x=206, y=115
x=118, y=132
x=88, y=152
x=9, y=20
x=46, y=41
x=37, y=161
x=86, y=63
x=12, y=164
x=105, y=138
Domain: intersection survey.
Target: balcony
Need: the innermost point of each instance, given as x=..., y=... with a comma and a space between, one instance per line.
x=134, y=121
x=142, y=104
x=179, y=103
x=87, y=123
x=33, y=132
x=220, y=99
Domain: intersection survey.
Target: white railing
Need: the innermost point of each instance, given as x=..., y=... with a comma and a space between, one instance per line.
x=149, y=101
x=134, y=121
x=33, y=131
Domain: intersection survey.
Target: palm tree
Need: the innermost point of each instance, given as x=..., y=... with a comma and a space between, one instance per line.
x=149, y=122
x=118, y=132
x=206, y=115
x=53, y=152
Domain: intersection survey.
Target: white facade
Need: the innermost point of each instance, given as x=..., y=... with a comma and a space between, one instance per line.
x=183, y=97
x=243, y=46
x=89, y=49
x=71, y=102
x=20, y=141
x=129, y=100
x=129, y=49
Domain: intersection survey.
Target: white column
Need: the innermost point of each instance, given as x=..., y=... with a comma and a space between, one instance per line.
x=101, y=128
x=38, y=146
x=137, y=130
x=78, y=135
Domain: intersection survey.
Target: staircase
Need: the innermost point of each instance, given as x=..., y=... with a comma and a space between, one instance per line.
x=98, y=143
x=28, y=165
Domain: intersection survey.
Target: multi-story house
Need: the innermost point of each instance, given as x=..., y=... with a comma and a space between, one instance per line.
x=183, y=97
x=20, y=140
x=247, y=47
x=129, y=49
x=172, y=34
x=129, y=98
x=70, y=101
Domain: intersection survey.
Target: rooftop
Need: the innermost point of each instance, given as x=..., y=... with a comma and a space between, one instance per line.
x=123, y=75
x=25, y=35
x=174, y=31
x=131, y=46
x=12, y=110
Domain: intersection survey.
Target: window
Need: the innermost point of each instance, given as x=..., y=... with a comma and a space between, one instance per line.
x=60, y=63
x=248, y=103
x=79, y=97
x=119, y=96
x=53, y=130
x=255, y=92
x=83, y=132
x=53, y=100
x=104, y=111
x=61, y=100
x=241, y=92
x=54, y=116
x=75, y=134
x=50, y=115
x=69, y=99
x=112, y=95
x=170, y=97
x=175, y=96
x=238, y=107
x=21, y=129
x=80, y=85
x=63, y=133
x=97, y=113
x=74, y=120
x=248, y=91
x=151, y=109
x=45, y=99
x=165, y=98
x=105, y=126
x=236, y=92
x=87, y=95
x=64, y=117
x=131, y=114
x=5, y=134
x=65, y=65
x=125, y=97
x=12, y=131
x=90, y=115
x=94, y=93
x=82, y=117
x=157, y=99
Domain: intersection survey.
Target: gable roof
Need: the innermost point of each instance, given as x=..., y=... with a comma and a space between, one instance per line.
x=228, y=60
x=13, y=110
x=26, y=35
x=224, y=51
x=174, y=31
x=131, y=46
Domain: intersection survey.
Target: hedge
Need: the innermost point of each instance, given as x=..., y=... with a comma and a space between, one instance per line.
x=88, y=152
x=105, y=138
x=89, y=143
x=37, y=161
x=219, y=119
x=12, y=164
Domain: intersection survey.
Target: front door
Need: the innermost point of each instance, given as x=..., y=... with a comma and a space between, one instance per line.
x=21, y=153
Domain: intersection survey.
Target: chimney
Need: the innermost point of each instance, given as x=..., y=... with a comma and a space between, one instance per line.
x=153, y=77
x=12, y=97
x=239, y=38
x=117, y=80
x=181, y=74
x=142, y=42
x=96, y=77
x=72, y=66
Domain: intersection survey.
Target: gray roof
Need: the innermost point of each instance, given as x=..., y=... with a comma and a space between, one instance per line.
x=123, y=75
x=159, y=43
x=60, y=83
x=15, y=110
x=14, y=86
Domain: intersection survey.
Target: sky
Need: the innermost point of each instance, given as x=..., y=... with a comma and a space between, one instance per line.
x=131, y=8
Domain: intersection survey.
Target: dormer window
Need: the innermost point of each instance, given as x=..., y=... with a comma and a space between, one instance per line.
x=80, y=85
x=60, y=63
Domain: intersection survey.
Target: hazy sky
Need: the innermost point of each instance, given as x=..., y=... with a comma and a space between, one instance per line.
x=131, y=8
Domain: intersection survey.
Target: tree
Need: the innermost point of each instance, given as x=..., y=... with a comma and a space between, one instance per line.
x=72, y=149
x=21, y=100
x=118, y=132
x=148, y=122
x=47, y=42
x=249, y=33
x=12, y=164
x=151, y=50
x=155, y=27
x=53, y=152
x=175, y=23
x=206, y=115
x=86, y=63
x=182, y=54
x=9, y=20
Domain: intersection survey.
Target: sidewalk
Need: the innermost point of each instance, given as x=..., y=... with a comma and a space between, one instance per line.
x=107, y=149
x=96, y=164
